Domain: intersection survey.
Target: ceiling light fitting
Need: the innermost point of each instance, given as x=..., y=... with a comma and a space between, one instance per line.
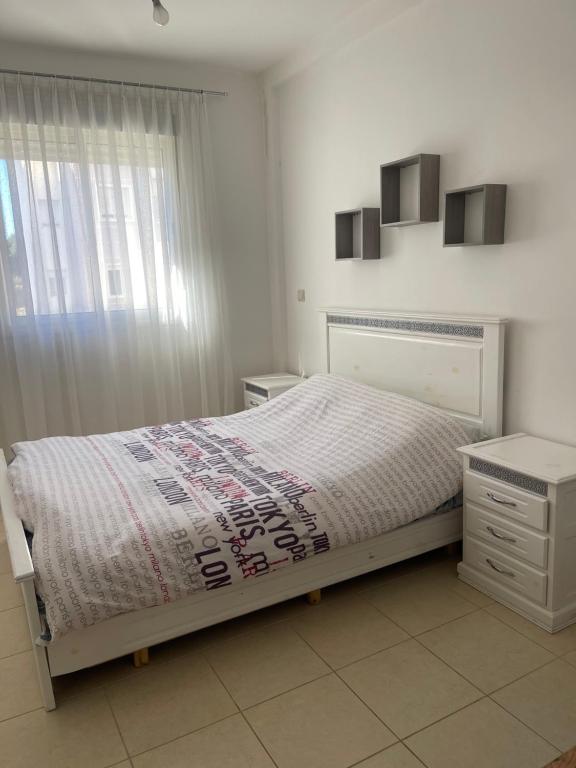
x=160, y=14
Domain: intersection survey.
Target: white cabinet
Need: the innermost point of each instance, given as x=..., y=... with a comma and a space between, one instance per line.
x=260, y=389
x=520, y=526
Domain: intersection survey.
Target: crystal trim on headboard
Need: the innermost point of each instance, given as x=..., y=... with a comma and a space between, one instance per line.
x=445, y=329
x=509, y=476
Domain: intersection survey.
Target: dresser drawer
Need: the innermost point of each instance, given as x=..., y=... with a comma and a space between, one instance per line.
x=506, y=535
x=505, y=570
x=252, y=400
x=506, y=500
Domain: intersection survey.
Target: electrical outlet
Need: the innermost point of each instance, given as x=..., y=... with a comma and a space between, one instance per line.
x=301, y=294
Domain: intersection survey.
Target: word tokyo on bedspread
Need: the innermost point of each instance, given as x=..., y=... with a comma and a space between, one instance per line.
x=135, y=519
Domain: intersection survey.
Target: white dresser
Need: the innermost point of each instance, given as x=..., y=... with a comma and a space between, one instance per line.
x=260, y=389
x=520, y=526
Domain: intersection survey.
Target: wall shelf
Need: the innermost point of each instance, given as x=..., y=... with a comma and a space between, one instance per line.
x=357, y=234
x=399, y=208
x=475, y=215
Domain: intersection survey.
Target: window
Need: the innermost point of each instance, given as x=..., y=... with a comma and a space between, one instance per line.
x=52, y=286
x=115, y=282
x=107, y=203
x=83, y=235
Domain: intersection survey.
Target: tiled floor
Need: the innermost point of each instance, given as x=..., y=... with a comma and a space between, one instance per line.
x=402, y=668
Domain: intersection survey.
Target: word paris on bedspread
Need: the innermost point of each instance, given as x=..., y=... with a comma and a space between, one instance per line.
x=135, y=519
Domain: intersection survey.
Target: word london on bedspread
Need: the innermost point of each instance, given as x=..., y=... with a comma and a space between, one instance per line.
x=135, y=519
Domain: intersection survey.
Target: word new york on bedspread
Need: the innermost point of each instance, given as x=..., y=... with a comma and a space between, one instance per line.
x=130, y=520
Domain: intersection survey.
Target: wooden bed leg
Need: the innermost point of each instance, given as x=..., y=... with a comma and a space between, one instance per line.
x=141, y=658
x=314, y=597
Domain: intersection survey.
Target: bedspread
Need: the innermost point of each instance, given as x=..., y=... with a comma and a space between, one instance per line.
x=134, y=519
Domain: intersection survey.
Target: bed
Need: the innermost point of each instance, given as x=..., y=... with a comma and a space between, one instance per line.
x=453, y=364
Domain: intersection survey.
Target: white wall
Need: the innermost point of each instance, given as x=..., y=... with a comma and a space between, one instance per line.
x=490, y=85
x=238, y=140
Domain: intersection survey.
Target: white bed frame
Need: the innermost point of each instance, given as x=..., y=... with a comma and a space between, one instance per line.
x=455, y=363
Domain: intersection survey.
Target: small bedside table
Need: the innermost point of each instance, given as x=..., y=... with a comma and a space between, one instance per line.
x=260, y=389
x=520, y=526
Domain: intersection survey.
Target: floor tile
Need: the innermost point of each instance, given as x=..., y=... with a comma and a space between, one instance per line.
x=347, y=630
x=408, y=687
x=14, y=632
x=418, y=603
x=558, y=643
x=19, y=691
x=481, y=736
x=545, y=700
x=470, y=594
x=396, y=756
x=446, y=572
x=414, y=565
x=250, y=622
x=320, y=725
x=571, y=658
x=193, y=642
x=80, y=732
x=168, y=701
x=110, y=672
x=227, y=744
x=265, y=663
x=487, y=652
x=102, y=675
x=566, y=760
x=10, y=592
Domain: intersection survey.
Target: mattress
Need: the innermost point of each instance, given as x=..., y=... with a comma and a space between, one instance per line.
x=134, y=519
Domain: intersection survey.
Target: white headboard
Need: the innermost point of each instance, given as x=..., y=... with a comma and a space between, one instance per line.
x=454, y=363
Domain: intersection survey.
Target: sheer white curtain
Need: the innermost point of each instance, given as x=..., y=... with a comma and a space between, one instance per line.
x=112, y=310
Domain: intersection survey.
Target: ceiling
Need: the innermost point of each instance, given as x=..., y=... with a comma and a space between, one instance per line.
x=245, y=34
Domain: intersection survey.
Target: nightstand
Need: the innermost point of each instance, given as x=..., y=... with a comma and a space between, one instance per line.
x=520, y=526
x=260, y=389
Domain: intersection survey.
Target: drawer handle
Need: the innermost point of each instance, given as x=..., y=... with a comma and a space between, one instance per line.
x=500, y=570
x=499, y=535
x=491, y=496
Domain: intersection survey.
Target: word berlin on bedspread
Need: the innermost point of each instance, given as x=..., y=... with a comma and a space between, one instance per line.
x=135, y=519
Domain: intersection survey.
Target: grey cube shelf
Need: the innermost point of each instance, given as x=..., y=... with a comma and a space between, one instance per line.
x=492, y=214
x=428, y=177
x=357, y=234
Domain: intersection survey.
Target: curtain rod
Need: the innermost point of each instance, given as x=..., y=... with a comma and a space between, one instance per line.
x=113, y=82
